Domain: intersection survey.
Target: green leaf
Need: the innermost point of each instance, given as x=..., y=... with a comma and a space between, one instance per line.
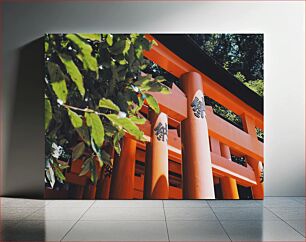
x=85, y=167
x=116, y=141
x=89, y=62
x=55, y=72
x=123, y=62
x=74, y=72
x=60, y=176
x=143, y=80
x=96, y=128
x=93, y=172
x=152, y=103
x=92, y=37
x=97, y=151
x=84, y=134
x=127, y=46
x=48, y=113
x=157, y=87
x=120, y=47
x=46, y=47
x=109, y=39
x=57, y=79
x=138, y=120
x=160, y=79
x=107, y=103
x=75, y=119
x=126, y=124
x=78, y=151
x=60, y=90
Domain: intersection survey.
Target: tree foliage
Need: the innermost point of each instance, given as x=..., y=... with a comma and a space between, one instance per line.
x=240, y=54
x=94, y=89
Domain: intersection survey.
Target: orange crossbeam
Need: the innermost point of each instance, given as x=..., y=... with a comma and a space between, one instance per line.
x=218, y=128
x=169, y=61
x=221, y=166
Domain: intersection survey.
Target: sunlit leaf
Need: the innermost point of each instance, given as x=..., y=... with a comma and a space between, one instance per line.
x=92, y=37
x=107, y=103
x=109, y=39
x=126, y=124
x=60, y=89
x=74, y=72
x=96, y=128
x=137, y=120
x=89, y=62
x=152, y=103
x=75, y=119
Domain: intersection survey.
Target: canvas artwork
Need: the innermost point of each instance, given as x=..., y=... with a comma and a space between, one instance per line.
x=154, y=116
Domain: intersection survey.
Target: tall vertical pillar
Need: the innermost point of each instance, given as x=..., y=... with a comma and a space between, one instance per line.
x=156, y=184
x=258, y=189
x=197, y=168
x=228, y=184
x=122, y=183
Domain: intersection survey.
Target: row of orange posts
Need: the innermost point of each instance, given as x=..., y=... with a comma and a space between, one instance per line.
x=198, y=146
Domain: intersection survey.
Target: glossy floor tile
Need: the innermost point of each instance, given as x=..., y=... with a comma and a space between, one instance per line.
x=258, y=230
x=118, y=231
x=275, y=219
x=60, y=213
x=185, y=203
x=252, y=213
x=196, y=231
x=190, y=214
x=131, y=213
x=38, y=230
x=298, y=225
x=289, y=213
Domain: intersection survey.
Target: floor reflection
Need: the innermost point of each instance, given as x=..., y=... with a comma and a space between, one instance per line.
x=274, y=219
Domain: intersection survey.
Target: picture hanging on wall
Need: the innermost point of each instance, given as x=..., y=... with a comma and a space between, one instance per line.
x=154, y=116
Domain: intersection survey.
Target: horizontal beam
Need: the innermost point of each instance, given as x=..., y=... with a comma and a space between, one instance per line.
x=169, y=61
x=220, y=129
x=232, y=136
x=223, y=167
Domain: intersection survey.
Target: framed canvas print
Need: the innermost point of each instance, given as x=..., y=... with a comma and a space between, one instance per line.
x=154, y=116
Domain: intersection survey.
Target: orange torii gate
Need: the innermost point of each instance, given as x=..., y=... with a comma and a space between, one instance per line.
x=200, y=145
x=189, y=147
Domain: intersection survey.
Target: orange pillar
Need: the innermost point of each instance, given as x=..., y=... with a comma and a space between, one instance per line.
x=257, y=190
x=156, y=184
x=228, y=184
x=122, y=183
x=198, y=180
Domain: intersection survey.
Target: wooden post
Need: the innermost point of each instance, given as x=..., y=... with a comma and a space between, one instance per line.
x=197, y=168
x=257, y=190
x=122, y=183
x=228, y=184
x=156, y=184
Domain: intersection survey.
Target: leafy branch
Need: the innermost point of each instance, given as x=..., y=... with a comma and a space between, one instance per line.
x=94, y=90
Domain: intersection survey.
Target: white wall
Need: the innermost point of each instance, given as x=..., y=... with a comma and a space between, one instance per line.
x=282, y=23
